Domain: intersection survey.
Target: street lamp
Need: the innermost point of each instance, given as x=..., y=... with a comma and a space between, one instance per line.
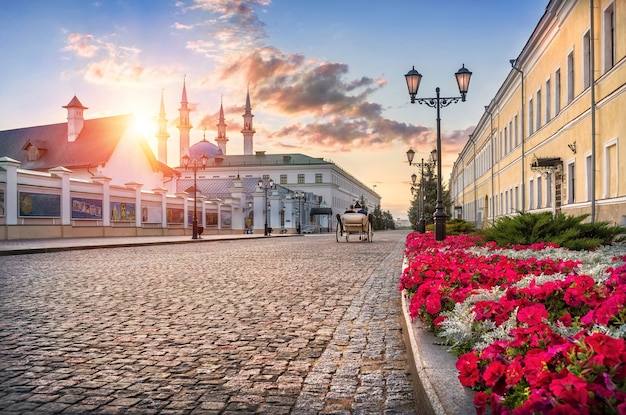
x=410, y=154
x=413, y=79
x=267, y=206
x=194, y=165
x=301, y=198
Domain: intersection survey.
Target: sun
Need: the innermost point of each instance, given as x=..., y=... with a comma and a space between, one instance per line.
x=145, y=125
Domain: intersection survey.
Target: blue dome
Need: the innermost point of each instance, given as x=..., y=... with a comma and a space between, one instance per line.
x=204, y=148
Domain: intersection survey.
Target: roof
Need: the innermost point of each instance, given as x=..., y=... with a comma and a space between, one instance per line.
x=94, y=145
x=219, y=188
x=263, y=159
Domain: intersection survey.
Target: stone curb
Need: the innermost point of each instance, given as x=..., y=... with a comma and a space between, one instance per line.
x=38, y=246
x=436, y=384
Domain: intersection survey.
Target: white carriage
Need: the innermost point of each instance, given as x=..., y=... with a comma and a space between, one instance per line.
x=354, y=224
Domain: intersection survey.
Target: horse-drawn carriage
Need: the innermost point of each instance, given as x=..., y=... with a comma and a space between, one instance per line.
x=352, y=223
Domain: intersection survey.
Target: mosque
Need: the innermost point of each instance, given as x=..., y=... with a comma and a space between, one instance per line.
x=317, y=185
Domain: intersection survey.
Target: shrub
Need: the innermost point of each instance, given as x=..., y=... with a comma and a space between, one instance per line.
x=459, y=226
x=567, y=231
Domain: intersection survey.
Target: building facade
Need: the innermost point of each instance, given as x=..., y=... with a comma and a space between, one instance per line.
x=552, y=138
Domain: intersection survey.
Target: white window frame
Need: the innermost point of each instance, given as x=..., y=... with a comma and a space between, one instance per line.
x=531, y=193
x=586, y=59
x=571, y=76
x=548, y=99
x=608, y=37
x=606, y=172
x=570, y=168
x=558, y=89
x=588, y=175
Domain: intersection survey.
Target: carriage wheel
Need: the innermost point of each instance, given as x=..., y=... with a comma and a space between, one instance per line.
x=370, y=232
x=338, y=231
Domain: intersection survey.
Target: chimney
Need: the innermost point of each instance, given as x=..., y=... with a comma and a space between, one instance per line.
x=75, y=119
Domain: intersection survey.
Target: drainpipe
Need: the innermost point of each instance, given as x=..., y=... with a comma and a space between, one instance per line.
x=593, y=114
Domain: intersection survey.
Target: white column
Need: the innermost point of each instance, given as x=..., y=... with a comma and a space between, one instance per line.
x=10, y=195
x=106, y=198
x=66, y=208
x=137, y=187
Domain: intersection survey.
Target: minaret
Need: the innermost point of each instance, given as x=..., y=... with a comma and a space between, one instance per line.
x=221, y=131
x=75, y=118
x=183, y=124
x=247, y=131
x=162, y=134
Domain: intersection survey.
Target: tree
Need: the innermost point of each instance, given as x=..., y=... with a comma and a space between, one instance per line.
x=382, y=220
x=430, y=198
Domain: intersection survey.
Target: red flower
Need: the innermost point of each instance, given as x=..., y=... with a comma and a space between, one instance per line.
x=570, y=389
x=514, y=372
x=494, y=373
x=467, y=365
x=610, y=351
x=433, y=303
x=532, y=315
x=480, y=402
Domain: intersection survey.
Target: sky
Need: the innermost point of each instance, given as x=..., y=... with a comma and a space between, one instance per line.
x=326, y=77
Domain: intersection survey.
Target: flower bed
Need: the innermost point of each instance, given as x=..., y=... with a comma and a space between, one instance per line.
x=538, y=329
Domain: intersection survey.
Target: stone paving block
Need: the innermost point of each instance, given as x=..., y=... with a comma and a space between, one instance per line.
x=277, y=325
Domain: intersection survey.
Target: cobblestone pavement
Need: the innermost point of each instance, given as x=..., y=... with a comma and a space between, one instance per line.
x=277, y=325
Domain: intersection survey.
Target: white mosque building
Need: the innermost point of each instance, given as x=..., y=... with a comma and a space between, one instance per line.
x=313, y=186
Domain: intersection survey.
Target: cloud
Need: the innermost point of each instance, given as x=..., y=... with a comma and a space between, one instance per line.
x=114, y=64
x=318, y=102
x=81, y=45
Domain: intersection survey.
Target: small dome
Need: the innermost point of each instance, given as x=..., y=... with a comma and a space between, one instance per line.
x=204, y=148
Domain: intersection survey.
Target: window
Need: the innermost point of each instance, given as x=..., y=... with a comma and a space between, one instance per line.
x=516, y=137
x=548, y=190
x=538, y=113
x=516, y=198
x=283, y=179
x=266, y=177
x=557, y=91
x=586, y=61
x=506, y=147
x=539, y=193
x=611, y=169
x=318, y=177
x=570, y=77
x=511, y=135
x=506, y=201
x=548, y=99
x=571, y=182
x=608, y=37
x=531, y=194
x=531, y=124
x=300, y=178
x=588, y=176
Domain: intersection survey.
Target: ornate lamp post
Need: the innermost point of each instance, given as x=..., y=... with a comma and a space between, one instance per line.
x=413, y=79
x=267, y=206
x=301, y=198
x=194, y=165
x=421, y=225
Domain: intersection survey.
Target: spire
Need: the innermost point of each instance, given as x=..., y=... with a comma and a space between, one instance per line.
x=248, y=131
x=183, y=123
x=75, y=120
x=162, y=134
x=221, y=130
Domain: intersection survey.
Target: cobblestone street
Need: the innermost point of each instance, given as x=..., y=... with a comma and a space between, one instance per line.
x=299, y=325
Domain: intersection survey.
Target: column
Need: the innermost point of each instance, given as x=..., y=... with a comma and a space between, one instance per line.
x=10, y=195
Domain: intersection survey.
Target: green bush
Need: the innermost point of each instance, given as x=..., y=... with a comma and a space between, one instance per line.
x=459, y=226
x=567, y=231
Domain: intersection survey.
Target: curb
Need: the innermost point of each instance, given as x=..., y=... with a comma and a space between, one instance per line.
x=436, y=385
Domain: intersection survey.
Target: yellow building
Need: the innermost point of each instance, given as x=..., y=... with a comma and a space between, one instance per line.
x=553, y=138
